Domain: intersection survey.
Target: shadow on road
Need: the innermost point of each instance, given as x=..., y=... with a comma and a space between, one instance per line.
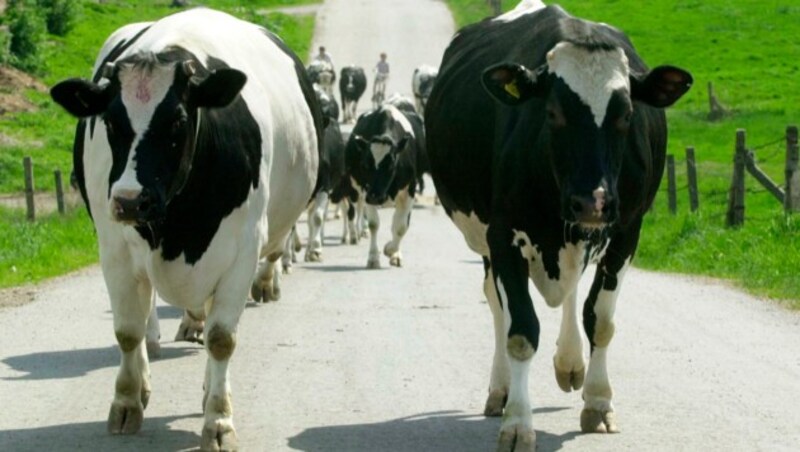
x=440, y=431
x=156, y=434
x=76, y=363
x=343, y=268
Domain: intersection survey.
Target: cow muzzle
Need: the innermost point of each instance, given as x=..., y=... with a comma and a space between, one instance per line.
x=134, y=207
x=592, y=212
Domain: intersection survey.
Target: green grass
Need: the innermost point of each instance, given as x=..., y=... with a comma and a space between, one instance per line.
x=55, y=245
x=749, y=50
x=50, y=246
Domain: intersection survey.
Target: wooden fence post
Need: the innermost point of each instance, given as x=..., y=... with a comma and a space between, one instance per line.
x=59, y=191
x=671, y=188
x=792, y=189
x=691, y=175
x=735, y=216
x=27, y=164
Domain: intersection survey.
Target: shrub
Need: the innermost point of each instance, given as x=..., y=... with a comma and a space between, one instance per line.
x=26, y=28
x=60, y=15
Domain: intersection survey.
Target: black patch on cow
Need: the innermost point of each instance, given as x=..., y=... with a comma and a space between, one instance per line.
x=359, y=83
x=77, y=162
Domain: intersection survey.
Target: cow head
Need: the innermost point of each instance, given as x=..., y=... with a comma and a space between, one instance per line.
x=386, y=135
x=425, y=77
x=588, y=101
x=150, y=108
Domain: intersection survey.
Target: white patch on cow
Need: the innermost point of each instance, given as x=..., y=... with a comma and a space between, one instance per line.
x=592, y=74
x=501, y=291
x=523, y=7
x=379, y=152
x=570, y=265
x=597, y=391
x=398, y=116
x=473, y=230
x=523, y=242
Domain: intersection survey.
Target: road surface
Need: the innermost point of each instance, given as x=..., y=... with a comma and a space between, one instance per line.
x=399, y=359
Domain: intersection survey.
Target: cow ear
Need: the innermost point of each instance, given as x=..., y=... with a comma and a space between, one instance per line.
x=662, y=86
x=81, y=98
x=513, y=84
x=217, y=90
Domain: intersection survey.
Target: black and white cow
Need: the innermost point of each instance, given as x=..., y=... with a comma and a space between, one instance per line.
x=547, y=141
x=352, y=84
x=322, y=73
x=381, y=158
x=331, y=171
x=196, y=152
x=421, y=85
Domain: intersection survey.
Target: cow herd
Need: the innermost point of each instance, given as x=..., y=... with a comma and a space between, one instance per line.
x=201, y=139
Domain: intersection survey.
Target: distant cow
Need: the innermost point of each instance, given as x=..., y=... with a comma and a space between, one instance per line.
x=331, y=171
x=196, y=152
x=547, y=142
x=421, y=85
x=322, y=73
x=352, y=84
x=381, y=158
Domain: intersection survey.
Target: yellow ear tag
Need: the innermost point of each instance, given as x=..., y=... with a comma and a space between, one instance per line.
x=511, y=88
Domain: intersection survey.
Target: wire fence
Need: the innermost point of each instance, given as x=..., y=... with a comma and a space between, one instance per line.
x=746, y=160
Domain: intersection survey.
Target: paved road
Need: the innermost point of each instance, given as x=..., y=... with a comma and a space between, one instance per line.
x=399, y=359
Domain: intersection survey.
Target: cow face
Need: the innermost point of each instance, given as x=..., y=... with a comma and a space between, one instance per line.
x=586, y=104
x=379, y=164
x=151, y=110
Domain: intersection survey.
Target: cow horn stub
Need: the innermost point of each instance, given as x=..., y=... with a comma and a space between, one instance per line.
x=188, y=68
x=108, y=71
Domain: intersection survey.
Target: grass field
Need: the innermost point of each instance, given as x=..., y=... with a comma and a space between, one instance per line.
x=55, y=245
x=749, y=50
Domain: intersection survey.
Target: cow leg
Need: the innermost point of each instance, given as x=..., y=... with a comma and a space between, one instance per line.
x=131, y=303
x=374, y=222
x=500, y=378
x=191, y=327
x=316, y=221
x=568, y=359
x=153, y=334
x=598, y=321
x=220, y=334
x=522, y=331
x=401, y=220
x=266, y=285
x=361, y=207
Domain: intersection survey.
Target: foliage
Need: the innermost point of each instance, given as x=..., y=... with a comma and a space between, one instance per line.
x=60, y=15
x=746, y=49
x=26, y=29
x=50, y=246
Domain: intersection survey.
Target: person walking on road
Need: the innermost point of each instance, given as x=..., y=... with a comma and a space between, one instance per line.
x=381, y=72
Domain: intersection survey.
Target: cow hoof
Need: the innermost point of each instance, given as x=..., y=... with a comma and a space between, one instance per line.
x=286, y=269
x=495, y=403
x=153, y=349
x=189, y=333
x=517, y=438
x=569, y=377
x=373, y=264
x=219, y=436
x=145, y=398
x=314, y=256
x=125, y=420
x=594, y=421
x=274, y=294
x=255, y=291
x=396, y=261
x=354, y=240
x=344, y=240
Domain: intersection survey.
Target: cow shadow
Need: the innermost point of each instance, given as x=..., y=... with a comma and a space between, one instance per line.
x=77, y=363
x=440, y=431
x=156, y=434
